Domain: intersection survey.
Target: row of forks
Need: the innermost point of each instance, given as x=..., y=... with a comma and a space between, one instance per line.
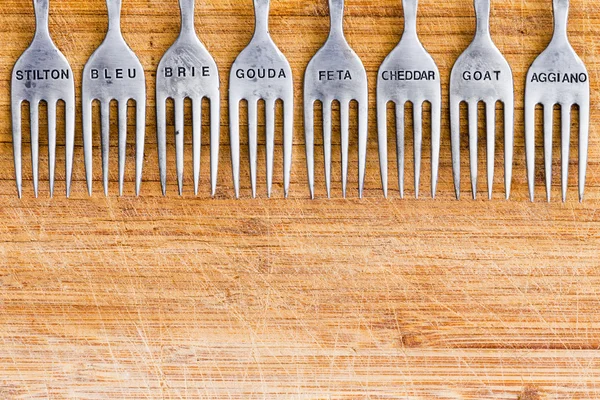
x=335, y=74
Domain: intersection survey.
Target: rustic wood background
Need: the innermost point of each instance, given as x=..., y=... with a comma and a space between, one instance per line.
x=195, y=297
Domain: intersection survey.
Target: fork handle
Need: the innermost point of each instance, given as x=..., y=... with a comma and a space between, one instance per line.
x=41, y=17
x=482, y=12
x=336, y=13
x=261, y=15
x=186, y=8
x=410, y=15
x=114, y=14
x=561, y=17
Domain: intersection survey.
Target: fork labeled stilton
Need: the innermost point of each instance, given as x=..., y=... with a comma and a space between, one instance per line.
x=557, y=77
x=114, y=72
x=482, y=74
x=261, y=72
x=42, y=74
x=187, y=71
x=409, y=75
x=336, y=73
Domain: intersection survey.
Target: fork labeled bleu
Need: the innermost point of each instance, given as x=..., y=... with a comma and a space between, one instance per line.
x=482, y=74
x=261, y=72
x=409, y=74
x=114, y=72
x=42, y=74
x=558, y=77
x=336, y=73
x=188, y=71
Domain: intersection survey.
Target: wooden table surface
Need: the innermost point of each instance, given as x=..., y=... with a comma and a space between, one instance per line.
x=193, y=297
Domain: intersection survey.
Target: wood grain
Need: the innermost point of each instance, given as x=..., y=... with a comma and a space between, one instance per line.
x=194, y=297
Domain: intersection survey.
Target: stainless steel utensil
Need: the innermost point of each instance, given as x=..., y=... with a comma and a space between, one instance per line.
x=187, y=70
x=261, y=72
x=558, y=76
x=409, y=74
x=336, y=73
x=482, y=74
x=114, y=72
x=43, y=73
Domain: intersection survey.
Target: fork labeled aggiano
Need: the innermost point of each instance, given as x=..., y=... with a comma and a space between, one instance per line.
x=336, y=73
x=557, y=77
x=42, y=74
x=114, y=72
x=409, y=74
x=482, y=74
x=188, y=71
x=261, y=72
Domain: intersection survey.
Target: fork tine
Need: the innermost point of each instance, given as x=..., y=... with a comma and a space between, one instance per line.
x=51, y=143
x=509, y=140
x=161, y=137
x=309, y=137
x=584, y=129
x=17, y=145
x=400, y=145
x=382, y=129
x=435, y=144
x=565, y=134
x=215, y=140
x=179, y=141
x=327, y=144
x=473, y=145
x=252, y=141
x=140, y=107
x=196, y=140
x=345, y=134
x=288, y=142
x=363, y=137
x=69, y=142
x=105, y=116
x=548, y=126
x=530, y=146
x=234, y=132
x=87, y=143
x=418, y=143
x=122, y=104
x=270, y=137
x=35, y=143
x=490, y=110
x=455, y=139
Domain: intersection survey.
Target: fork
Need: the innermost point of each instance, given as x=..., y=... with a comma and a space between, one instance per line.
x=409, y=74
x=187, y=70
x=261, y=72
x=482, y=74
x=42, y=73
x=558, y=76
x=114, y=72
x=336, y=73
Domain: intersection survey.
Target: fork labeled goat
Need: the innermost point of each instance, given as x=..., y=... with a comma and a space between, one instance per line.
x=557, y=77
x=187, y=71
x=482, y=74
x=114, y=72
x=409, y=74
x=336, y=73
x=261, y=72
x=42, y=74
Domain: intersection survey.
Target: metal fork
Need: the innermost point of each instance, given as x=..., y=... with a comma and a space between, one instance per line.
x=261, y=72
x=558, y=76
x=482, y=74
x=409, y=74
x=187, y=70
x=336, y=73
x=114, y=72
x=42, y=73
